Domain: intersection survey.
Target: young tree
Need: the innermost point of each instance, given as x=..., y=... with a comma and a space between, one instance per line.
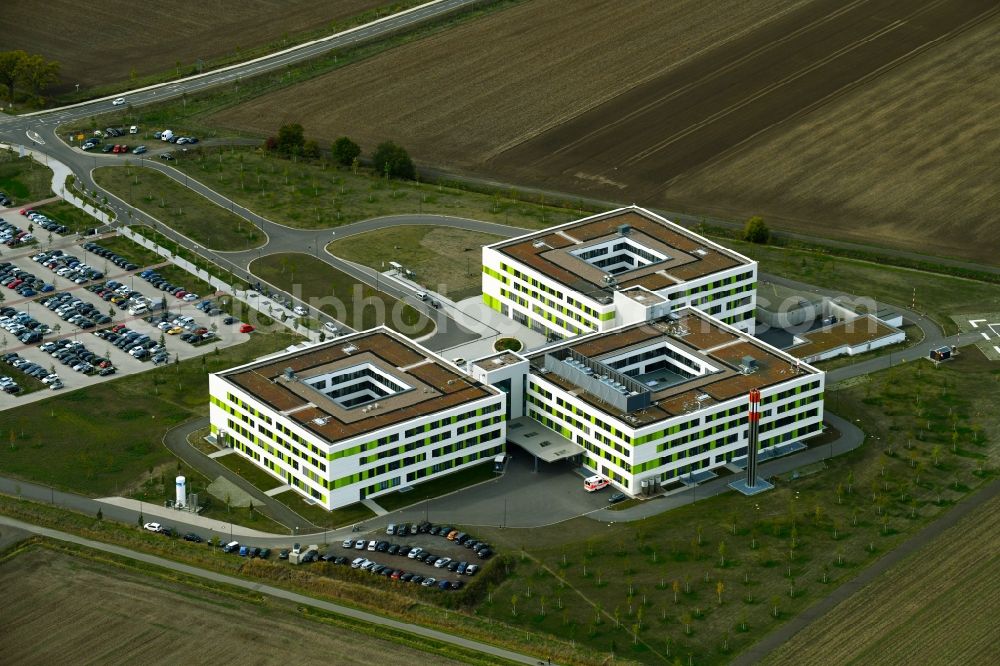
x=393, y=161
x=756, y=231
x=720, y=587
x=291, y=139
x=722, y=554
x=310, y=150
x=345, y=151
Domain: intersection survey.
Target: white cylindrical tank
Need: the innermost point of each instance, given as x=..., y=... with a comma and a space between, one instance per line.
x=181, y=487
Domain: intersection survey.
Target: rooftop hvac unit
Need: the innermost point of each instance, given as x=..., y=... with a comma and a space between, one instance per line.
x=289, y=375
x=624, y=229
x=349, y=349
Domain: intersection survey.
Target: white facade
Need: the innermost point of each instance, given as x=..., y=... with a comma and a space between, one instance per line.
x=550, y=306
x=707, y=435
x=342, y=472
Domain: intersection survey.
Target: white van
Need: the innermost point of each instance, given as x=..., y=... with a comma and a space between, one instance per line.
x=134, y=129
x=166, y=135
x=422, y=295
x=138, y=309
x=499, y=462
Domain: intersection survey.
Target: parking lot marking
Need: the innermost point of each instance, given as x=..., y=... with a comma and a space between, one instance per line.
x=984, y=334
x=975, y=322
x=997, y=349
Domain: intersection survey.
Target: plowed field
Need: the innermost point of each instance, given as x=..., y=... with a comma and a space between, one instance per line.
x=938, y=607
x=866, y=120
x=103, y=42
x=59, y=609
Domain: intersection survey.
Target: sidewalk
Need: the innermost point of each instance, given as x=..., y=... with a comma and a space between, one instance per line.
x=151, y=511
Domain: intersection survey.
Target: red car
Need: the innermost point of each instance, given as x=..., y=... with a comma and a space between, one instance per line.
x=245, y=328
x=26, y=211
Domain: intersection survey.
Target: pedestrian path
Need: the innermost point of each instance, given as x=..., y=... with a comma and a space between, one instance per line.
x=150, y=512
x=277, y=491
x=379, y=511
x=223, y=452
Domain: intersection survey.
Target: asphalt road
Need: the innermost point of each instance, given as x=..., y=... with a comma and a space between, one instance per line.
x=234, y=73
x=255, y=586
x=176, y=441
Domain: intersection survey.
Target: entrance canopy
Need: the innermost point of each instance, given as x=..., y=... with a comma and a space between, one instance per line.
x=539, y=441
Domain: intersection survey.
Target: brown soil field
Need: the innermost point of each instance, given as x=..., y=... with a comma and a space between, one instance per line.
x=459, y=97
x=57, y=605
x=102, y=42
x=908, y=160
x=940, y=606
x=868, y=120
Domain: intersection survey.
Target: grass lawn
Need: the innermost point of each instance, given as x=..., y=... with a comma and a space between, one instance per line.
x=317, y=515
x=437, y=487
x=203, y=264
x=651, y=590
x=318, y=195
x=337, y=294
x=447, y=260
x=67, y=215
x=936, y=295
x=129, y=249
x=197, y=440
x=27, y=383
x=179, y=276
x=107, y=438
x=180, y=208
x=23, y=179
x=255, y=475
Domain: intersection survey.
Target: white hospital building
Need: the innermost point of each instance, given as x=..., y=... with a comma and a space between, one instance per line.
x=615, y=268
x=356, y=417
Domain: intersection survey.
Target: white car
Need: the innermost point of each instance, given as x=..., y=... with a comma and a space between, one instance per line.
x=330, y=326
x=348, y=543
x=442, y=562
x=300, y=311
x=118, y=102
x=152, y=527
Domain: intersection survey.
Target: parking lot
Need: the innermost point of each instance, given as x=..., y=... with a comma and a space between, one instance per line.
x=432, y=555
x=85, y=308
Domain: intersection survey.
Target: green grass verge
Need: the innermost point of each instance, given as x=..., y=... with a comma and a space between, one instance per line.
x=255, y=475
x=318, y=195
x=23, y=179
x=317, y=515
x=107, y=439
x=27, y=383
x=127, y=248
x=447, y=260
x=69, y=216
x=180, y=208
x=932, y=439
x=338, y=294
x=200, y=262
x=437, y=487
